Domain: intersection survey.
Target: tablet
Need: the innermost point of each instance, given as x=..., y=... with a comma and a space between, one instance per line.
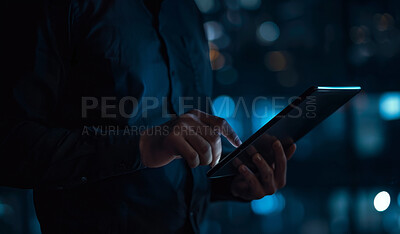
x=296, y=120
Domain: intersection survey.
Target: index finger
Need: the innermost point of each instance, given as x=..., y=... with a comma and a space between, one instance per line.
x=220, y=125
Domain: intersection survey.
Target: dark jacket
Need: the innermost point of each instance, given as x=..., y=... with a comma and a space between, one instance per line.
x=86, y=177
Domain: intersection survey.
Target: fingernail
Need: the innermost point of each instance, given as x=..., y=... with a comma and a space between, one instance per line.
x=238, y=141
x=276, y=144
x=243, y=169
x=257, y=158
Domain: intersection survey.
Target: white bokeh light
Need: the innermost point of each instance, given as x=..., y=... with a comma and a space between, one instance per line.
x=382, y=201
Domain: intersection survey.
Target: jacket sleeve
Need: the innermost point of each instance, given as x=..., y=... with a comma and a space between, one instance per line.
x=35, y=153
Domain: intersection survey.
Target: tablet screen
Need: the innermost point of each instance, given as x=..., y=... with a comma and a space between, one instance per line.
x=292, y=123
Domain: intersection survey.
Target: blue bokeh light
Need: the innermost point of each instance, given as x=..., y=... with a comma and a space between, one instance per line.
x=250, y=4
x=268, y=32
x=223, y=106
x=206, y=6
x=264, y=111
x=268, y=204
x=213, y=30
x=236, y=125
x=389, y=105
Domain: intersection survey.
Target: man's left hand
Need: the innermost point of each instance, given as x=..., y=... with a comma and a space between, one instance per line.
x=250, y=185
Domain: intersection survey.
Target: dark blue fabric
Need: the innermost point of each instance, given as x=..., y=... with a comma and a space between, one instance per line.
x=95, y=183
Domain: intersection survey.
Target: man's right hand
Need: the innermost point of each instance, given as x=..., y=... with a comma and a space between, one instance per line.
x=194, y=136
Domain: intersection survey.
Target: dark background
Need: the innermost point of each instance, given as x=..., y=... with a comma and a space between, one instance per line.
x=278, y=49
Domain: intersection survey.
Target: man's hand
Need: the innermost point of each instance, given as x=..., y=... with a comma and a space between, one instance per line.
x=269, y=177
x=194, y=136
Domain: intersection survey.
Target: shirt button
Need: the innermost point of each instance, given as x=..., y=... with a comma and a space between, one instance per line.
x=83, y=179
x=172, y=73
x=191, y=213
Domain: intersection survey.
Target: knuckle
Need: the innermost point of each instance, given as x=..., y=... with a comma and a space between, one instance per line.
x=192, y=156
x=266, y=180
x=221, y=121
x=182, y=129
x=204, y=149
x=270, y=191
x=190, y=116
x=252, y=181
x=186, y=117
x=183, y=119
x=269, y=173
x=183, y=125
x=192, y=162
x=206, y=160
x=193, y=111
x=248, y=179
x=171, y=139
